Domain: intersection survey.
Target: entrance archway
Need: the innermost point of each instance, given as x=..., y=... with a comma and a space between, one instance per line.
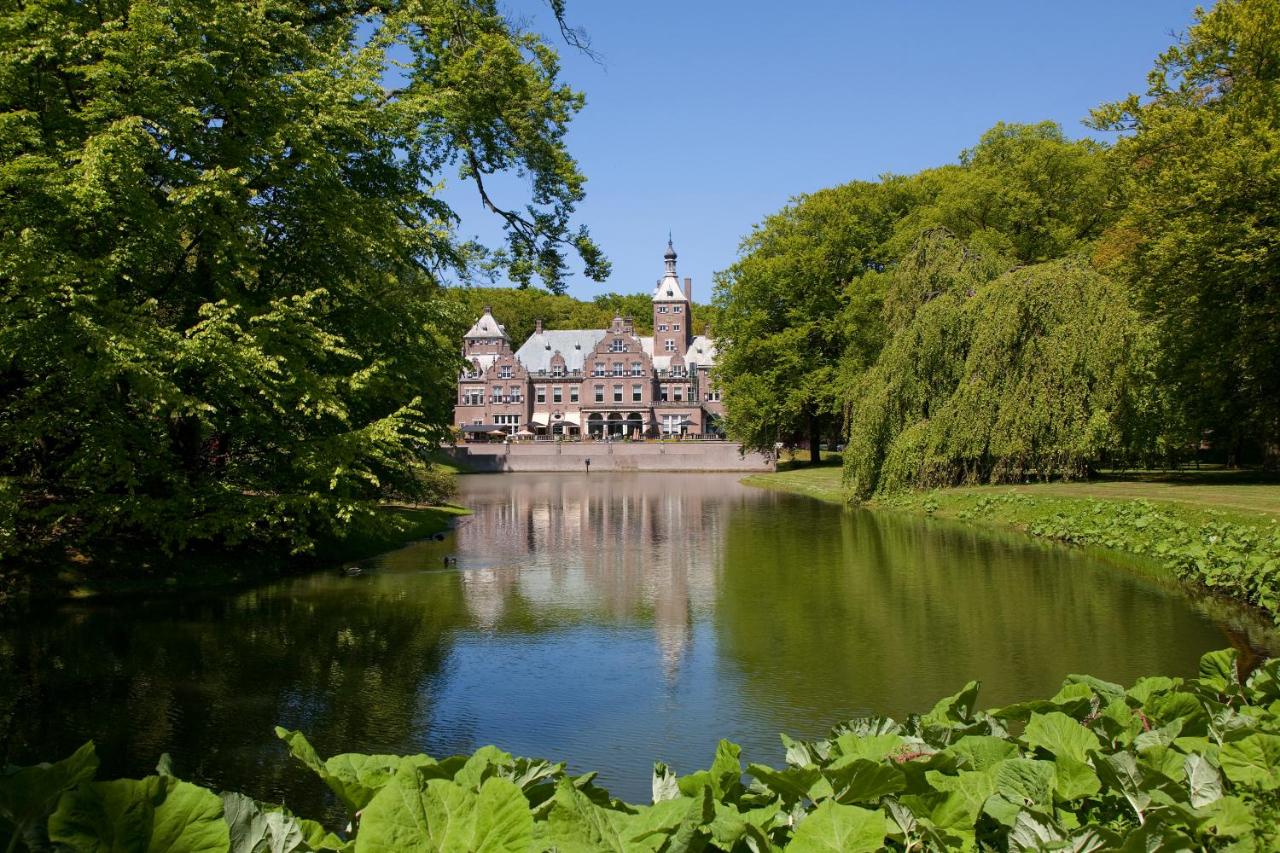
x=635, y=425
x=615, y=423
x=595, y=425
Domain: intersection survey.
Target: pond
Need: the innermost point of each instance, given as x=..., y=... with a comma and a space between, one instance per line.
x=608, y=621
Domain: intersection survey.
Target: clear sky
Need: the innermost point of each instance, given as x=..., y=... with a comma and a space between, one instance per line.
x=704, y=117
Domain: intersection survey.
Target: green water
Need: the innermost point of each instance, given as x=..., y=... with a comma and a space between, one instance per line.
x=605, y=620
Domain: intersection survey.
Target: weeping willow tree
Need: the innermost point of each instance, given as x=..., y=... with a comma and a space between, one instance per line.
x=995, y=375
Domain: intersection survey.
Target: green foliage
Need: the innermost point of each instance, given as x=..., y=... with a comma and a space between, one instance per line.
x=1198, y=234
x=795, y=307
x=1024, y=191
x=1041, y=372
x=220, y=318
x=1165, y=764
x=518, y=309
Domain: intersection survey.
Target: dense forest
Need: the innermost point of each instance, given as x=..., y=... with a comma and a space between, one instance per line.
x=1043, y=308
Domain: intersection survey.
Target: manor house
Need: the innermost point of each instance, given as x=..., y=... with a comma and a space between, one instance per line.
x=593, y=382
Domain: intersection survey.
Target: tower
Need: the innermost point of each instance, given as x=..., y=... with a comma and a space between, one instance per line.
x=671, y=312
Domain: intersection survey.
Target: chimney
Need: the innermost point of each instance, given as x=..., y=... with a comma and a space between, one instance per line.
x=628, y=325
x=537, y=326
x=688, y=289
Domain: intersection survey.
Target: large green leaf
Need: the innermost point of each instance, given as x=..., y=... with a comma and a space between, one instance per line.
x=955, y=709
x=863, y=781
x=29, y=794
x=1204, y=784
x=1025, y=780
x=577, y=825
x=420, y=815
x=790, y=783
x=978, y=752
x=873, y=747
x=1060, y=736
x=353, y=777
x=156, y=815
x=1253, y=761
x=834, y=828
x=752, y=827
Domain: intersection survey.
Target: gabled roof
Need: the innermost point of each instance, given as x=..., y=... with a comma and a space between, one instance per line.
x=486, y=327
x=573, y=344
x=668, y=290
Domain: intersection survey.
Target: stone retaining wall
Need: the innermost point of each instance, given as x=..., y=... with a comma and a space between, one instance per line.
x=610, y=456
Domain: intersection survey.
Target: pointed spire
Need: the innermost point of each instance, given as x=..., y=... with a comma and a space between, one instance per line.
x=670, y=256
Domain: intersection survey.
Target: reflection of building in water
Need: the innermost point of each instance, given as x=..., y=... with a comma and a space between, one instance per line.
x=614, y=545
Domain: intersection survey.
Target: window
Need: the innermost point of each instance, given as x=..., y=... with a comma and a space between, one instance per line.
x=617, y=345
x=599, y=393
x=516, y=394
x=497, y=394
x=573, y=393
x=542, y=394
x=675, y=327
x=675, y=309
x=679, y=389
x=662, y=393
x=662, y=309
x=617, y=393
x=670, y=346
x=662, y=327
x=504, y=372
x=557, y=370
x=637, y=393
x=511, y=422
x=557, y=394
x=713, y=396
x=637, y=368
x=671, y=424
x=617, y=368
x=599, y=369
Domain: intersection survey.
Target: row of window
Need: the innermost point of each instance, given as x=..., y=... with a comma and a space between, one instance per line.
x=678, y=394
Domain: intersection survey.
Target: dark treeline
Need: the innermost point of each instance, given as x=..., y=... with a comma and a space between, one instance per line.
x=1044, y=307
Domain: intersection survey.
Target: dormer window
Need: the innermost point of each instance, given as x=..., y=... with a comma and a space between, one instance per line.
x=557, y=370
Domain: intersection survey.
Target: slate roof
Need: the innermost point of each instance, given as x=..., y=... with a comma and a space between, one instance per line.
x=486, y=327
x=574, y=344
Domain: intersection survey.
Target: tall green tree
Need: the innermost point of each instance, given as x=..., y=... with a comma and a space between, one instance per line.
x=784, y=325
x=221, y=242
x=1025, y=191
x=994, y=376
x=1200, y=236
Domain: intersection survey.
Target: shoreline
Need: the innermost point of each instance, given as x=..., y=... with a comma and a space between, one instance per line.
x=224, y=571
x=1226, y=551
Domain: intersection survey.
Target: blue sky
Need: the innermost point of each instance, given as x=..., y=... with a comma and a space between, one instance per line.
x=704, y=117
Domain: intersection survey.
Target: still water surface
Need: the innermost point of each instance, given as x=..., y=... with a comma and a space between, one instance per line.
x=605, y=620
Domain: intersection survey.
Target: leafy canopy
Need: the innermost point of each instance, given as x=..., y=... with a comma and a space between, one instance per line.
x=222, y=246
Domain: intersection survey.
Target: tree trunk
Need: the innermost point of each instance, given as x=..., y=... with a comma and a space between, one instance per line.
x=815, y=455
